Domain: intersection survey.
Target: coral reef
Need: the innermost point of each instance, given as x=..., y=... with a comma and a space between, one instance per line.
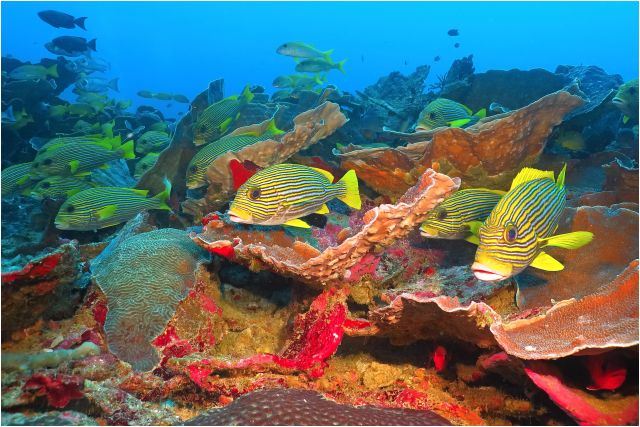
x=487, y=154
x=306, y=407
x=309, y=128
x=143, y=278
x=47, y=287
x=382, y=226
x=47, y=359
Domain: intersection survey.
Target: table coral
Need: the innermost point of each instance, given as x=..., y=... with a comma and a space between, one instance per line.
x=383, y=225
x=488, y=154
x=144, y=277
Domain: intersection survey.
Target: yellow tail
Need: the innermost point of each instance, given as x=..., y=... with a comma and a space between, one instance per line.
x=352, y=194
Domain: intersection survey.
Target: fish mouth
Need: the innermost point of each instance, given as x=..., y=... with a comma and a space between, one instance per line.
x=617, y=101
x=486, y=274
x=62, y=226
x=420, y=129
x=239, y=217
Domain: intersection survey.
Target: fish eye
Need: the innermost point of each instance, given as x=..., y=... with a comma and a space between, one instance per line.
x=632, y=90
x=46, y=185
x=253, y=193
x=510, y=233
x=70, y=208
x=432, y=115
x=193, y=169
x=47, y=161
x=442, y=214
x=202, y=128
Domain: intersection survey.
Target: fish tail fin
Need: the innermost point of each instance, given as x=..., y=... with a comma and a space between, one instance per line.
x=327, y=54
x=246, y=96
x=127, y=150
x=53, y=71
x=352, y=194
x=273, y=129
x=317, y=79
x=481, y=114
x=340, y=66
x=163, y=197
x=80, y=22
x=561, y=175
x=113, y=84
x=92, y=45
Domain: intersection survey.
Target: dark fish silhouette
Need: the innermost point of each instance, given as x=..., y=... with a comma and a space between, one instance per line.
x=457, y=45
x=70, y=46
x=61, y=19
x=453, y=32
x=436, y=59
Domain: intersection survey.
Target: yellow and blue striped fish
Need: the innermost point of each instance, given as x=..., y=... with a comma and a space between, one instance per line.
x=450, y=220
x=102, y=207
x=145, y=164
x=79, y=158
x=15, y=177
x=197, y=168
x=448, y=113
x=216, y=119
x=283, y=193
x=522, y=224
x=59, y=187
x=63, y=140
x=152, y=141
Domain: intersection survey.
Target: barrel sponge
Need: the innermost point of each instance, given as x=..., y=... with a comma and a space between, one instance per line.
x=144, y=277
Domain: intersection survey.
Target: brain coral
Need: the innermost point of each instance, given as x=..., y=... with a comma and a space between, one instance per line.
x=144, y=278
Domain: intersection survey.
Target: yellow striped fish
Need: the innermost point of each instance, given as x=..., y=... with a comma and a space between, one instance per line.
x=145, y=164
x=522, y=224
x=64, y=140
x=59, y=187
x=445, y=112
x=15, y=177
x=216, y=119
x=79, y=158
x=102, y=207
x=197, y=168
x=152, y=141
x=282, y=194
x=450, y=220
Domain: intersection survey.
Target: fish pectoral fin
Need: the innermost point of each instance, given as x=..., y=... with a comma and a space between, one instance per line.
x=625, y=119
x=323, y=209
x=473, y=239
x=106, y=212
x=546, y=262
x=297, y=223
x=224, y=126
x=574, y=240
x=458, y=123
x=474, y=227
x=74, y=165
x=81, y=174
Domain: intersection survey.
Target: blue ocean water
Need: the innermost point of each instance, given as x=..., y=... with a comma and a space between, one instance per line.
x=181, y=46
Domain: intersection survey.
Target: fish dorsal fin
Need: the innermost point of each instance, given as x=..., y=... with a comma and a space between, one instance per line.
x=73, y=166
x=560, y=181
x=488, y=190
x=327, y=174
x=473, y=239
x=467, y=109
x=297, y=223
x=324, y=209
x=546, y=262
x=529, y=174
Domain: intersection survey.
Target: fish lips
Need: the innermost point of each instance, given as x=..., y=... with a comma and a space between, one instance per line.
x=235, y=217
x=486, y=274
